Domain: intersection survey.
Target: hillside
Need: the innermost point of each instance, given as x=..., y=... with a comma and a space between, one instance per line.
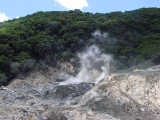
x=132, y=37
x=119, y=96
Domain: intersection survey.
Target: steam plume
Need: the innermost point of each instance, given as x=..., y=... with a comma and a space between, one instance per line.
x=94, y=66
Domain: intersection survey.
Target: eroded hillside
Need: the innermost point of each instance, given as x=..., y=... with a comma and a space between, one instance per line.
x=125, y=96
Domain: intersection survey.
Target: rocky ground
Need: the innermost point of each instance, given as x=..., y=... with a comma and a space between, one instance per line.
x=125, y=96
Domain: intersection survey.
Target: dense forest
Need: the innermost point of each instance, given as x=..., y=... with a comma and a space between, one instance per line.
x=132, y=38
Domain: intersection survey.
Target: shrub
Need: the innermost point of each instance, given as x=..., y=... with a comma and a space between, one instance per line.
x=15, y=68
x=28, y=65
x=3, y=79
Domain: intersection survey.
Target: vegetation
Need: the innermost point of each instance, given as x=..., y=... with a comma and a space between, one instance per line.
x=53, y=36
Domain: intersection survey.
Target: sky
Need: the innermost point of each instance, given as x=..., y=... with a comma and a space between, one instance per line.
x=10, y=9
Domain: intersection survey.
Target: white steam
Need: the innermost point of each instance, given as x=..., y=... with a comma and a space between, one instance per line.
x=104, y=37
x=99, y=35
x=94, y=66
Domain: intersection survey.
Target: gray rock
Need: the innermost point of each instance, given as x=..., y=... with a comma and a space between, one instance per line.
x=69, y=91
x=60, y=80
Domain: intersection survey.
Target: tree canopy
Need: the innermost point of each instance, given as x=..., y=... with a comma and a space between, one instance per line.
x=134, y=36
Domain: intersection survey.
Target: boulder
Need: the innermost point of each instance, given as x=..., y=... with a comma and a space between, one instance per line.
x=68, y=91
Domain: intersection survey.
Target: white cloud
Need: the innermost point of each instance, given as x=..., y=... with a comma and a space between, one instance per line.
x=17, y=17
x=73, y=4
x=3, y=17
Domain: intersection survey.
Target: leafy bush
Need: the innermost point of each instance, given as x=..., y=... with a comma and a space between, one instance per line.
x=15, y=68
x=3, y=79
x=28, y=65
x=22, y=68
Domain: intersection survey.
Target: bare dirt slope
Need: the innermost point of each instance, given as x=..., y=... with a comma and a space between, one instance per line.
x=125, y=96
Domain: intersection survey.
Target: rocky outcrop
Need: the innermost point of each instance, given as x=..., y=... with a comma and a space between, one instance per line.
x=68, y=91
x=77, y=113
x=124, y=96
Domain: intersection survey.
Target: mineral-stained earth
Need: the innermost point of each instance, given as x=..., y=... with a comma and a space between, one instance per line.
x=120, y=96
